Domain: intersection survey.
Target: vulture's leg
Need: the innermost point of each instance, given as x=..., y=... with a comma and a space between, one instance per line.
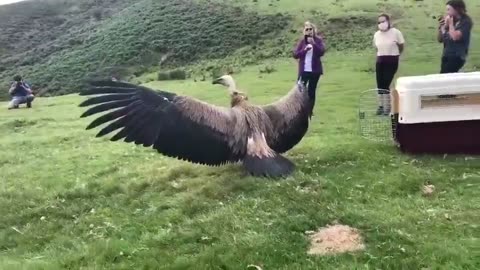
x=261, y=160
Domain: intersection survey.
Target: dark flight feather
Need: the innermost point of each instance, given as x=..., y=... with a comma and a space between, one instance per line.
x=175, y=126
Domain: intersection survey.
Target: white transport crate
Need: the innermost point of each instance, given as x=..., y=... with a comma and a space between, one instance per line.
x=438, y=98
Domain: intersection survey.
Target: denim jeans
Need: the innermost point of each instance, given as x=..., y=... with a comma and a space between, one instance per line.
x=17, y=100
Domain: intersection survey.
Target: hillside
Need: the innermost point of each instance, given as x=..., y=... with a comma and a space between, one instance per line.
x=69, y=200
x=60, y=44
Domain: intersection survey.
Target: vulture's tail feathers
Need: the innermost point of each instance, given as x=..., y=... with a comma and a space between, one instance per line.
x=276, y=166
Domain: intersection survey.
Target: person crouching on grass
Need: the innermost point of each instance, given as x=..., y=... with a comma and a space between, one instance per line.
x=389, y=43
x=309, y=50
x=21, y=93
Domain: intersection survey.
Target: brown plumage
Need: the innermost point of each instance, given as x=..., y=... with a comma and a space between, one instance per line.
x=198, y=132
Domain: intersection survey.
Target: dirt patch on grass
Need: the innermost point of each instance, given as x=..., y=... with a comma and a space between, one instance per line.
x=335, y=239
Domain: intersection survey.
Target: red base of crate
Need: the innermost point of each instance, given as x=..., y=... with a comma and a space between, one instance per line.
x=457, y=137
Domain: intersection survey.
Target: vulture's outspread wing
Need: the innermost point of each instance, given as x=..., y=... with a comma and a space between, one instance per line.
x=290, y=117
x=174, y=125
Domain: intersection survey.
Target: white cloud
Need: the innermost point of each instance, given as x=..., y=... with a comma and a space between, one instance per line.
x=4, y=2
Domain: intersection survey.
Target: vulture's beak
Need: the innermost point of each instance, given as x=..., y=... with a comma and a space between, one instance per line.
x=217, y=81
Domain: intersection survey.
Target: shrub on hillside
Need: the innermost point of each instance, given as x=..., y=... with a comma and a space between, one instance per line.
x=353, y=36
x=176, y=74
x=267, y=69
x=163, y=76
x=140, y=35
x=217, y=70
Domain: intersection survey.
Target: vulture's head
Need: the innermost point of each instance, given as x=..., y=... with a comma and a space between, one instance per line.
x=225, y=80
x=229, y=82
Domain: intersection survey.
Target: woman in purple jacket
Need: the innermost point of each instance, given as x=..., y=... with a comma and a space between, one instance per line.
x=309, y=50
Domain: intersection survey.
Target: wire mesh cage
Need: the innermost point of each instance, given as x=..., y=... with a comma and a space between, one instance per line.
x=374, y=125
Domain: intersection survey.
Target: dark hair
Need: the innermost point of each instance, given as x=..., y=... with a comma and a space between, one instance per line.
x=17, y=78
x=458, y=5
x=386, y=17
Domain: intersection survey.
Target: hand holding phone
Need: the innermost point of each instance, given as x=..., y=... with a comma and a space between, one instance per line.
x=447, y=19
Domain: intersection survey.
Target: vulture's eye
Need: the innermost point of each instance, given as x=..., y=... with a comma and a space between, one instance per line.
x=235, y=93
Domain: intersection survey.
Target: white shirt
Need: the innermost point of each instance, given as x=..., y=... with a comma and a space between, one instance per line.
x=386, y=42
x=308, y=61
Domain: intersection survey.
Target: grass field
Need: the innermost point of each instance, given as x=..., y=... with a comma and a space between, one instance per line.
x=69, y=200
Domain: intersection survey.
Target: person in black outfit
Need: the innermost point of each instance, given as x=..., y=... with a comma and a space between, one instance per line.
x=454, y=32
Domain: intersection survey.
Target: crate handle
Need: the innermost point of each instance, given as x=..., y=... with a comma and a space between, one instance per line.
x=447, y=96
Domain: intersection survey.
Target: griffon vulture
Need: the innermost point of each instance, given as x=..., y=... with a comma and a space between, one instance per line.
x=192, y=130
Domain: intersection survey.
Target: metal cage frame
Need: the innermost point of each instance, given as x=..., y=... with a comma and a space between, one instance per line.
x=378, y=128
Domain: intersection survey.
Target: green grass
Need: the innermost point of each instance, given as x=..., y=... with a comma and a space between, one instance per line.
x=114, y=205
x=69, y=200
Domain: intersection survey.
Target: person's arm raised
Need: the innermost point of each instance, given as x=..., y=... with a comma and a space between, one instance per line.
x=300, y=50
